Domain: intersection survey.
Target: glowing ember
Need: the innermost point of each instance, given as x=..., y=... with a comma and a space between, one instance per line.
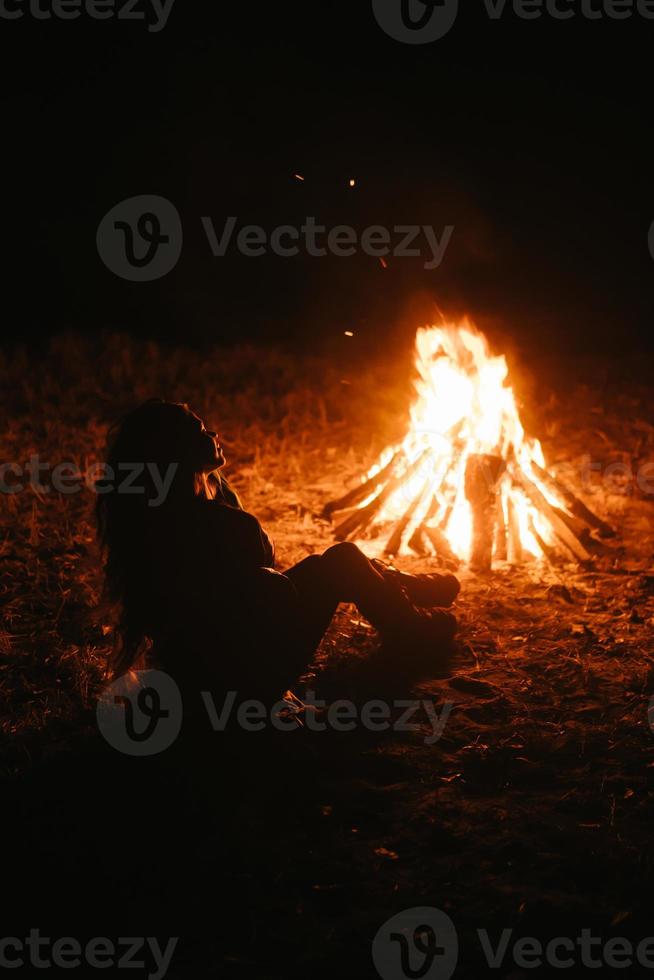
x=466, y=482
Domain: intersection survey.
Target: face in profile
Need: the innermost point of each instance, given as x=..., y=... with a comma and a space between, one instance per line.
x=166, y=434
x=207, y=451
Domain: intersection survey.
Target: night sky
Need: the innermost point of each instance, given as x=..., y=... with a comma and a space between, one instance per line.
x=532, y=138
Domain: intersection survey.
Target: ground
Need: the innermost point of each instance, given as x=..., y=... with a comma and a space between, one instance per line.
x=278, y=854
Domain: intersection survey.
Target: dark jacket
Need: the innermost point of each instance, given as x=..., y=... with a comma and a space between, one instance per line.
x=229, y=621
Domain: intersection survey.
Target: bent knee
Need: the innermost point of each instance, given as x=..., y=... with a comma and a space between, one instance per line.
x=344, y=556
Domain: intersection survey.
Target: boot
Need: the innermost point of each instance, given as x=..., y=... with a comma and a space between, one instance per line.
x=416, y=646
x=422, y=589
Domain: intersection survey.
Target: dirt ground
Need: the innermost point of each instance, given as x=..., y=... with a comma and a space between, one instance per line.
x=284, y=854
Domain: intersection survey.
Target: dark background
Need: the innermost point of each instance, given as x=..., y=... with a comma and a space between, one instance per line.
x=533, y=138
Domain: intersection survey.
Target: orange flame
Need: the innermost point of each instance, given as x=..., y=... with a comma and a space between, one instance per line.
x=463, y=406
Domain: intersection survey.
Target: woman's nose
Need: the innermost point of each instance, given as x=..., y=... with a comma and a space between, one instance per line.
x=212, y=434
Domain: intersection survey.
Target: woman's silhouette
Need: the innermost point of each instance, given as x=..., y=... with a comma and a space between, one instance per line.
x=193, y=573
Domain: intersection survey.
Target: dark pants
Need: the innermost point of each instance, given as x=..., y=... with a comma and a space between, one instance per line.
x=260, y=657
x=344, y=574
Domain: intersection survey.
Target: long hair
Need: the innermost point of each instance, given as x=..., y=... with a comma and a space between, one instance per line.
x=134, y=523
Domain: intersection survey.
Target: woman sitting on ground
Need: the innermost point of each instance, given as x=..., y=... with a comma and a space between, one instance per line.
x=193, y=573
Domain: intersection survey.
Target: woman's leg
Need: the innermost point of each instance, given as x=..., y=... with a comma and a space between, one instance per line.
x=318, y=600
x=424, y=590
x=344, y=574
x=414, y=642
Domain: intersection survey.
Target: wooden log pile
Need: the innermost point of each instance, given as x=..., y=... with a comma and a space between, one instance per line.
x=574, y=532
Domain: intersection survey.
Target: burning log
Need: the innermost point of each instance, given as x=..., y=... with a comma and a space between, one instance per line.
x=560, y=527
x=441, y=546
x=514, y=544
x=362, y=517
x=573, y=503
x=417, y=541
x=578, y=527
x=395, y=541
x=500, y=544
x=438, y=537
x=481, y=476
x=356, y=495
x=417, y=538
x=547, y=549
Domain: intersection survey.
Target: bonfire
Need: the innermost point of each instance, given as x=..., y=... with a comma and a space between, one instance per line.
x=466, y=483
